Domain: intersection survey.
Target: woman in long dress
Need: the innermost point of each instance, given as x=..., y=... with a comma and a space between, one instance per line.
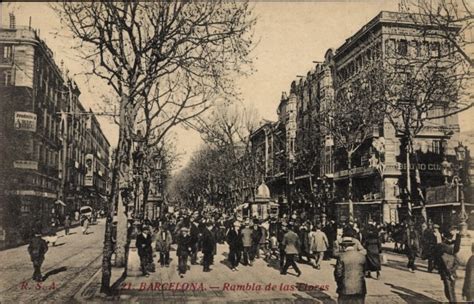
x=373, y=247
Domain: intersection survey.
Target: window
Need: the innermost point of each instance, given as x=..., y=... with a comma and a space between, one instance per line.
x=402, y=48
x=436, y=146
x=8, y=78
x=425, y=48
x=435, y=50
x=7, y=52
x=390, y=47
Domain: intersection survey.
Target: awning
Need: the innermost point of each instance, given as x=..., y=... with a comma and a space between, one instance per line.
x=378, y=202
x=438, y=205
x=60, y=202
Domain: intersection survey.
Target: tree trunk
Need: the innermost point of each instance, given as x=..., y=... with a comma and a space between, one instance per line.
x=408, y=152
x=124, y=156
x=351, y=204
x=108, y=245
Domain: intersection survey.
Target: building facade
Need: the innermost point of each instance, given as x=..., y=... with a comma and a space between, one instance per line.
x=315, y=169
x=42, y=163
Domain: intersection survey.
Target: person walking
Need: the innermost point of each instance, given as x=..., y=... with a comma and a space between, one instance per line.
x=318, y=245
x=247, y=244
x=67, y=225
x=283, y=229
x=234, y=240
x=411, y=246
x=349, y=274
x=429, y=241
x=37, y=250
x=184, y=249
x=194, y=233
x=143, y=244
x=305, y=250
x=164, y=240
x=374, y=247
x=331, y=233
x=208, y=246
x=447, y=263
x=291, y=242
x=263, y=242
x=85, y=225
x=256, y=236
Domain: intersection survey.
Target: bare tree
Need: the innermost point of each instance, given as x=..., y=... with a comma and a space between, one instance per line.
x=171, y=55
x=444, y=15
x=227, y=129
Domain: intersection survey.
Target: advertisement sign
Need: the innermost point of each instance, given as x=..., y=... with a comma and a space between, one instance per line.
x=25, y=121
x=89, y=177
x=25, y=164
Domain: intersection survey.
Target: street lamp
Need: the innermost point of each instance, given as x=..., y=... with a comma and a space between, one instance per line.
x=456, y=180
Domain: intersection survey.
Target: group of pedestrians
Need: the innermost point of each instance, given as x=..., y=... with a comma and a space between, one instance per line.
x=190, y=234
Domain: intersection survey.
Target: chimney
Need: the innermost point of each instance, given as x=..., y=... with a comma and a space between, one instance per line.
x=12, y=21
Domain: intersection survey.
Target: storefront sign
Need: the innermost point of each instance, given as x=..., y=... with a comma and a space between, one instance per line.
x=441, y=195
x=25, y=121
x=89, y=177
x=25, y=164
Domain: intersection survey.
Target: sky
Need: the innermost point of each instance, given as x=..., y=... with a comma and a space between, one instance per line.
x=291, y=36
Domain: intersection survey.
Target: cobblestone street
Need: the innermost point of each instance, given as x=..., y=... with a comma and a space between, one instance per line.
x=67, y=267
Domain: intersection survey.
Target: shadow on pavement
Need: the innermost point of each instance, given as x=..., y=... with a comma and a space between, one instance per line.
x=54, y=271
x=410, y=296
x=403, y=266
x=57, y=245
x=315, y=293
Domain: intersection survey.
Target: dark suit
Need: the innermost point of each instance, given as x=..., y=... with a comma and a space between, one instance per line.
x=37, y=249
x=194, y=232
x=183, y=250
x=234, y=239
x=447, y=263
x=143, y=244
x=208, y=245
x=349, y=275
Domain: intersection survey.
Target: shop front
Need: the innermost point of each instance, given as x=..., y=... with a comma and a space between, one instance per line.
x=364, y=211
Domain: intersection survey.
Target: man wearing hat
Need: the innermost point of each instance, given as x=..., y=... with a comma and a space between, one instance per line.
x=234, y=239
x=283, y=229
x=143, y=244
x=291, y=242
x=247, y=244
x=208, y=246
x=447, y=262
x=349, y=274
x=37, y=249
x=194, y=232
x=184, y=248
x=428, y=244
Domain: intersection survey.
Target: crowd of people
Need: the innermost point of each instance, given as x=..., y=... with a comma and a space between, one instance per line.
x=289, y=241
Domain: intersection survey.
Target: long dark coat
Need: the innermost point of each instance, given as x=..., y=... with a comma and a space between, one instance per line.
x=373, y=247
x=143, y=244
x=37, y=248
x=349, y=273
x=208, y=241
x=234, y=239
x=184, y=245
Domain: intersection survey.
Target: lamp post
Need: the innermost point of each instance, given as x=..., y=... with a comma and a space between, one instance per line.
x=456, y=180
